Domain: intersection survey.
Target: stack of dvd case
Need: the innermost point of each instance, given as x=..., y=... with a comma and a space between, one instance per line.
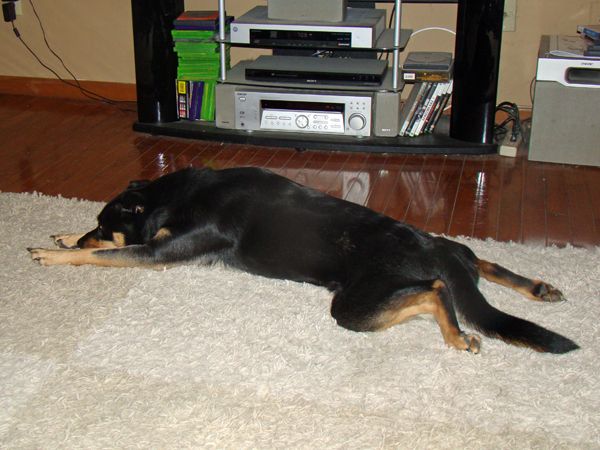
x=592, y=43
x=198, y=65
x=424, y=107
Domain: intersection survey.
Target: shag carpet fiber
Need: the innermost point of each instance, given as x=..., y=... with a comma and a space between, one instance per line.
x=207, y=357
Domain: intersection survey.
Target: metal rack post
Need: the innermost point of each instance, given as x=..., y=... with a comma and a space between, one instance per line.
x=156, y=68
x=396, y=57
x=222, y=46
x=396, y=52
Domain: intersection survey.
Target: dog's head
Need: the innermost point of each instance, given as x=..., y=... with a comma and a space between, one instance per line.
x=121, y=221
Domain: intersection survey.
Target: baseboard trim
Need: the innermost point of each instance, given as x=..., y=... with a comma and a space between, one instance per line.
x=46, y=87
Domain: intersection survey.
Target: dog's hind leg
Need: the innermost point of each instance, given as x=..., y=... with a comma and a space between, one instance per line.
x=532, y=289
x=364, y=308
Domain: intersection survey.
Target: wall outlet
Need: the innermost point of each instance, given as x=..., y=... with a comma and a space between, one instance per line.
x=506, y=147
x=509, y=23
x=19, y=7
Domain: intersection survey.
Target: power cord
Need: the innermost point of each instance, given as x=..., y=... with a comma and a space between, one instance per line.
x=447, y=30
x=513, y=117
x=86, y=92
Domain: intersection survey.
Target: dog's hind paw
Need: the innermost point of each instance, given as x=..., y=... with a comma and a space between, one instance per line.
x=547, y=293
x=462, y=341
x=471, y=343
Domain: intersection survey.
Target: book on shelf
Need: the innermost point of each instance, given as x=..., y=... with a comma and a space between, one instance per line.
x=439, y=107
x=409, y=107
x=197, y=73
x=424, y=107
x=434, y=67
x=183, y=109
x=198, y=63
x=199, y=20
x=194, y=50
x=427, y=108
x=419, y=111
x=193, y=35
x=590, y=31
x=198, y=16
x=572, y=47
x=196, y=99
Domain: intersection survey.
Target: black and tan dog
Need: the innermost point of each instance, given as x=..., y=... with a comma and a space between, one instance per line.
x=381, y=271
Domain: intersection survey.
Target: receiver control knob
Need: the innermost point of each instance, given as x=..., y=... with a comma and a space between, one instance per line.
x=357, y=121
x=302, y=121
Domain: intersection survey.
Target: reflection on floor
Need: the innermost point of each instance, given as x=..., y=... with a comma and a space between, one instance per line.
x=86, y=150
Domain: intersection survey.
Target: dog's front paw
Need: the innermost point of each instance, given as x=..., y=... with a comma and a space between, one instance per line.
x=66, y=240
x=46, y=257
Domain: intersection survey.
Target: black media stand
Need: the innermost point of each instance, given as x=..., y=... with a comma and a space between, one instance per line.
x=469, y=130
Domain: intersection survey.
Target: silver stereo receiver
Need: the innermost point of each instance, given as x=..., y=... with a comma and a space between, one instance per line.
x=351, y=113
x=270, y=109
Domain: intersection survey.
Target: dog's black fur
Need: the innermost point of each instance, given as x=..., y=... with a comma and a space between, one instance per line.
x=381, y=271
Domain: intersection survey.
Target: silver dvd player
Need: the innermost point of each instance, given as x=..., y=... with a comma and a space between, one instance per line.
x=360, y=29
x=301, y=112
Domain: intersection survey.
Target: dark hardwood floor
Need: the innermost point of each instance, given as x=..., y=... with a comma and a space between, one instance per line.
x=88, y=150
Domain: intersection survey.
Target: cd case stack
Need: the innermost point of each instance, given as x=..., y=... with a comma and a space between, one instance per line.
x=198, y=63
x=432, y=74
x=424, y=107
x=592, y=41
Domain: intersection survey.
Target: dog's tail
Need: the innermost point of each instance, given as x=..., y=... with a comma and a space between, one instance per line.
x=474, y=308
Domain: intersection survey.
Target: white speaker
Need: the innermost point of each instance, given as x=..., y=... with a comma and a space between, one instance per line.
x=387, y=114
x=564, y=125
x=307, y=10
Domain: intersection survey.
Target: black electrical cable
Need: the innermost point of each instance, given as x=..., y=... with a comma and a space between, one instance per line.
x=531, y=89
x=81, y=88
x=513, y=117
x=86, y=92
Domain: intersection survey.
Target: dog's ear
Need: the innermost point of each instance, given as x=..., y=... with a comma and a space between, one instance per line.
x=138, y=184
x=132, y=203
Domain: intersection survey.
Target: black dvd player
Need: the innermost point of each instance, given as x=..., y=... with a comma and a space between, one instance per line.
x=301, y=38
x=315, y=71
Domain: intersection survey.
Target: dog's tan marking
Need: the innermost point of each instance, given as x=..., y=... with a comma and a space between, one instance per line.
x=537, y=290
x=428, y=303
x=162, y=234
x=67, y=240
x=78, y=257
x=97, y=244
x=489, y=271
x=119, y=239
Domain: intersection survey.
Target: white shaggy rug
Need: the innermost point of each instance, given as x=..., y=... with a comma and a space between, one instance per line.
x=198, y=357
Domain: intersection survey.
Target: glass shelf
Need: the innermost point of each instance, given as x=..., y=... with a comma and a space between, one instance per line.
x=236, y=75
x=385, y=43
